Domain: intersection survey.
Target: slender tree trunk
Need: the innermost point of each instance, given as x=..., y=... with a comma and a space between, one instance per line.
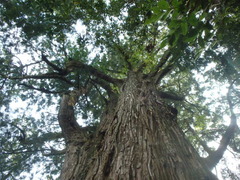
x=138, y=138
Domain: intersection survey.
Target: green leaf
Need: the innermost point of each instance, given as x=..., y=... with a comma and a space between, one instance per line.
x=176, y=38
x=192, y=35
x=163, y=5
x=163, y=43
x=175, y=15
x=173, y=39
x=201, y=41
x=184, y=28
x=153, y=19
x=176, y=3
x=203, y=15
x=166, y=14
x=156, y=10
x=192, y=19
x=191, y=39
x=174, y=24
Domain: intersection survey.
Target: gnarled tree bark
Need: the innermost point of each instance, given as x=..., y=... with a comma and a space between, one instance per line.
x=138, y=138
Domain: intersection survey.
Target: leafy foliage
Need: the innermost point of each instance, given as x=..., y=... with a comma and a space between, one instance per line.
x=114, y=38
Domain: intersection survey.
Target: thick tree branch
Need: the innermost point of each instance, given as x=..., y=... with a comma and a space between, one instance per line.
x=61, y=73
x=162, y=68
x=54, y=152
x=71, y=65
x=161, y=63
x=99, y=92
x=104, y=85
x=30, y=64
x=162, y=73
x=70, y=128
x=215, y=156
x=43, y=76
x=55, y=67
x=40, y=89
x=170, y=96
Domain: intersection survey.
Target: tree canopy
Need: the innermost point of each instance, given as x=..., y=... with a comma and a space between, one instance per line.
x=50, y=48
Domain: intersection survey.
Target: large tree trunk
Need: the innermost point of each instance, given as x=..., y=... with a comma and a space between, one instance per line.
x=138, y=138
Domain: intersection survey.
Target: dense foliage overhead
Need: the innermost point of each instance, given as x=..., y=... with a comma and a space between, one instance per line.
x=51, y=47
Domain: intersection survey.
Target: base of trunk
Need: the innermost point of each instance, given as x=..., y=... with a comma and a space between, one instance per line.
x=138, y=139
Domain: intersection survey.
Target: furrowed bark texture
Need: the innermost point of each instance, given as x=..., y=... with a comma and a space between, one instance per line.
x=138, y=139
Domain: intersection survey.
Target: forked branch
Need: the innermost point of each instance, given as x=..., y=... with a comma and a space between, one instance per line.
x=161, y=63
x=66, y=118
x=53, y=66
x=162, y=73
x=71, y=65
x=104, y=85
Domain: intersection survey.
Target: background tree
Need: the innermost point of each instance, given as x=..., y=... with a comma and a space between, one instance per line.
x=133, y=73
